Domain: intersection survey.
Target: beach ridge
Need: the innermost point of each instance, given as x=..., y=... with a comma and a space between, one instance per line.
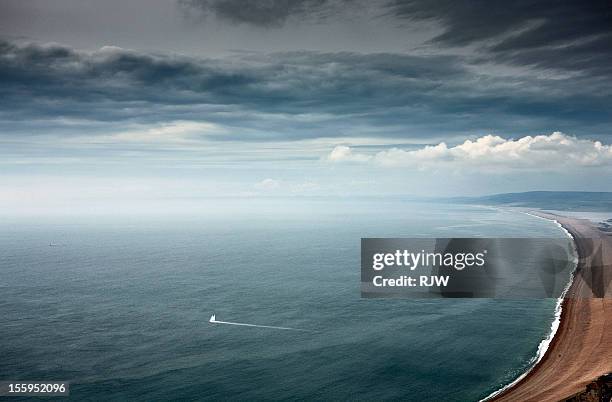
x=581, y=349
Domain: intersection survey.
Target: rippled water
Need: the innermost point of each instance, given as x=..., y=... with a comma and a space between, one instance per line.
x=120, y=306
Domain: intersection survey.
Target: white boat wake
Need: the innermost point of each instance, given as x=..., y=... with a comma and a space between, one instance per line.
x=213, y=320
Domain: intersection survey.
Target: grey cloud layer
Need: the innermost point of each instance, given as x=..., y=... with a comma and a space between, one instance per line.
x=575, y=36
x=264, y=13
x=284, y=95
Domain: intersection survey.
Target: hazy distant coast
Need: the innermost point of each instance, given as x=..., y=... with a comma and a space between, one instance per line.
x=558, y=200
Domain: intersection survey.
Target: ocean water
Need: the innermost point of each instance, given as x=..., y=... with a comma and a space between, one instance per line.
x=119, y=306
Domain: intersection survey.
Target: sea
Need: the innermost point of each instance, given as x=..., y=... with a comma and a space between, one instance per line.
x=119, y=304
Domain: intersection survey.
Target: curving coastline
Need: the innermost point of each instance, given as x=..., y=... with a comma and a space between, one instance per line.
x=581, y=348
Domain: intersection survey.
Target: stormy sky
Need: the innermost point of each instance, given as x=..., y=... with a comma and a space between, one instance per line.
x=199, y=98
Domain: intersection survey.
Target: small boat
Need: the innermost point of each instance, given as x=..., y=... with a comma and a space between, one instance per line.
x=212, y=318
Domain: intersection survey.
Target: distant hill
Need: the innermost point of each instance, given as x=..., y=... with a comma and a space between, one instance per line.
x=560, y=200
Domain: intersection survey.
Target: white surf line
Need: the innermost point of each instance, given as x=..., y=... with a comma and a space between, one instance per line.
x=213, y=320
x=544, y=344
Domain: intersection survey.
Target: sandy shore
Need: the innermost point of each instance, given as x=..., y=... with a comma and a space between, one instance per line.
x=581, y=350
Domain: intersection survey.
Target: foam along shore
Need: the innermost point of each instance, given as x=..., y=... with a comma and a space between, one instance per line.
x=581, y=349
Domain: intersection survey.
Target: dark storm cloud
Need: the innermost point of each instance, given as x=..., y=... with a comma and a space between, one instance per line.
x=282, y=95
x=264, y=13
x=575, y=36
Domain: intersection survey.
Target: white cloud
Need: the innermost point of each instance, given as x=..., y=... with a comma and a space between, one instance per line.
x=343, y=153
x=268, y=185
x=556, y=150
x=178, y=131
